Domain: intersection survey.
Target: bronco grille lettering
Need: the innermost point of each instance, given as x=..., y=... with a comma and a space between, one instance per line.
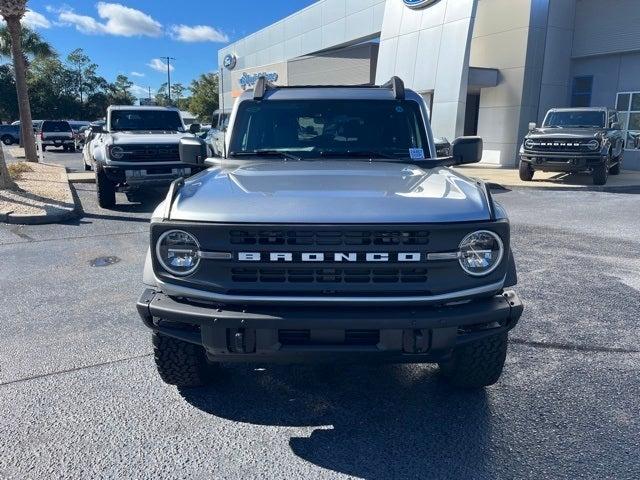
x=336, y=257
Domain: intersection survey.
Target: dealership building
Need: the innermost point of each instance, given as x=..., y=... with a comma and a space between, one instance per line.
x=484, y=67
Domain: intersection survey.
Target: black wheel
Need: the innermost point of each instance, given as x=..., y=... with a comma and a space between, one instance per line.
x=87, y=168
x=478, y=364
x=526, y=171
x=180, y=363
x=105, y=189
x=600, y=174
x=44, y=149
x=72, y=149
x=7, y=140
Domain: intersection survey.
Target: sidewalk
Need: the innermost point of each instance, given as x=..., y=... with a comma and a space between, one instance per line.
x=508, y=178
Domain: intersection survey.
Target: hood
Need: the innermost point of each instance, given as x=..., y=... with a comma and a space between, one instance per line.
x=330, y=192
x=141, y=138
x=565, y=133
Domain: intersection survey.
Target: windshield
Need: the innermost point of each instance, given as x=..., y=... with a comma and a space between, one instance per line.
x=56, y=127
x=141, y=120
x=324, y=128
x=584, y=118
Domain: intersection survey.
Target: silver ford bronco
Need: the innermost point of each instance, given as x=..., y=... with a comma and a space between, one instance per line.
x=330, y=231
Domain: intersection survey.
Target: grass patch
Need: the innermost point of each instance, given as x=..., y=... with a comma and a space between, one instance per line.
x=17, y=169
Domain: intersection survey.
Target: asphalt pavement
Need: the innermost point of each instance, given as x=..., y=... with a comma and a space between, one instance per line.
x=80, y=397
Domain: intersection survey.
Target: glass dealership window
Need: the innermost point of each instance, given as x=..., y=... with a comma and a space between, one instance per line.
x=581, y=91
x=628, y=106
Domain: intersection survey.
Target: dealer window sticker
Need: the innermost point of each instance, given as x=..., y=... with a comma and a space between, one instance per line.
x=416, y=153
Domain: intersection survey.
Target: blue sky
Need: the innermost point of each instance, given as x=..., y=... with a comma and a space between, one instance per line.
x=129, y=36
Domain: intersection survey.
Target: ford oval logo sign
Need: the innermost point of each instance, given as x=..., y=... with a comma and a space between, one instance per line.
x=229, y=61
x=418, y=3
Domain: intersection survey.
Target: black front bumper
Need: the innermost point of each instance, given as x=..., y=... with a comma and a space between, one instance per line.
x=270, y=333
x=562, y=161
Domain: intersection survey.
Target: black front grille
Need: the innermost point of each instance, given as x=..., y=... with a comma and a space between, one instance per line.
x=329, y=275
x=326, y=238
x=558, y=145
x=331, y=260
x=150, y=153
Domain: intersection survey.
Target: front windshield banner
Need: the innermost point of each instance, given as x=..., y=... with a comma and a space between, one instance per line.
x=330, y=128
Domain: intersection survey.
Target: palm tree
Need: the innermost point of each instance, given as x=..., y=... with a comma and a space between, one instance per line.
x=33, y=45
x=6, y=183
x=12, y=11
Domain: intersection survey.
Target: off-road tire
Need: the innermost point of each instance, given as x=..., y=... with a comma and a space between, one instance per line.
x=615, y=170
x=478, y=364
x=180, y=363
x=600, y=174
x=7, y=140
x=105, y=189
x=526, y=171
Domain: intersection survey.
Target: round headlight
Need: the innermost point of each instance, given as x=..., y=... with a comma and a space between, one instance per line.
x=481, y=252
x=116, y=152
x=529, y=144
x=593, y=145
x=178, y=252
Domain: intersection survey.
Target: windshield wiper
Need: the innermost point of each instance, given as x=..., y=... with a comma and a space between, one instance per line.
x=357, y=154
x=266, y=153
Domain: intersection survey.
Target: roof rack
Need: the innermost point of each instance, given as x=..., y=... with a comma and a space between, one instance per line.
x=262, y=85
x=397, y=85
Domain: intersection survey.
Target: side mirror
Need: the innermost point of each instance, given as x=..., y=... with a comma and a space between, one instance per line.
x=532, y=126
x=466, y=150
x=193, y=151
x=615, y=126
x=194, y=128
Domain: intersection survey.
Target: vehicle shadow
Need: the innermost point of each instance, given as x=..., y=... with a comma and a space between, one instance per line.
x=374, y=422
x=137, y=212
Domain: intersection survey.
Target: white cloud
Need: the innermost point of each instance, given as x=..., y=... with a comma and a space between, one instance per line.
x=117, y=19
x=128, y=22
x=137, y=74
x=159, y=66
x=33, y=20
x=139, y=91
x=83, y=23
x=198, y=33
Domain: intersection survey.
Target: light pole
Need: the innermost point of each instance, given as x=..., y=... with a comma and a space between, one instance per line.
x=168, y=59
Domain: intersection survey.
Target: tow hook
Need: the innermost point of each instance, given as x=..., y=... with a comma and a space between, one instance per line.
x=239, y=342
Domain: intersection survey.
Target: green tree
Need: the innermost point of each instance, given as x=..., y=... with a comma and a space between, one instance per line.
x=33, y=45
x=177, y=91
x=12, y=11
x=120, y=91
x=80, y=63
x=8, y=100
x=204, y=96
x=162, y=96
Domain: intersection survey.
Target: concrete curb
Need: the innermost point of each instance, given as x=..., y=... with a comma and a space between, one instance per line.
x=61, y=214
x=88, y=177
x=507, y=179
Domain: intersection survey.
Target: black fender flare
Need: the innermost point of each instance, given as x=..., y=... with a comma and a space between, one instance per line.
x=511, y=278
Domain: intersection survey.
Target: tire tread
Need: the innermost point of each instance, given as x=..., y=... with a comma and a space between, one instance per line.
x=180, y=363
x=478, y=364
